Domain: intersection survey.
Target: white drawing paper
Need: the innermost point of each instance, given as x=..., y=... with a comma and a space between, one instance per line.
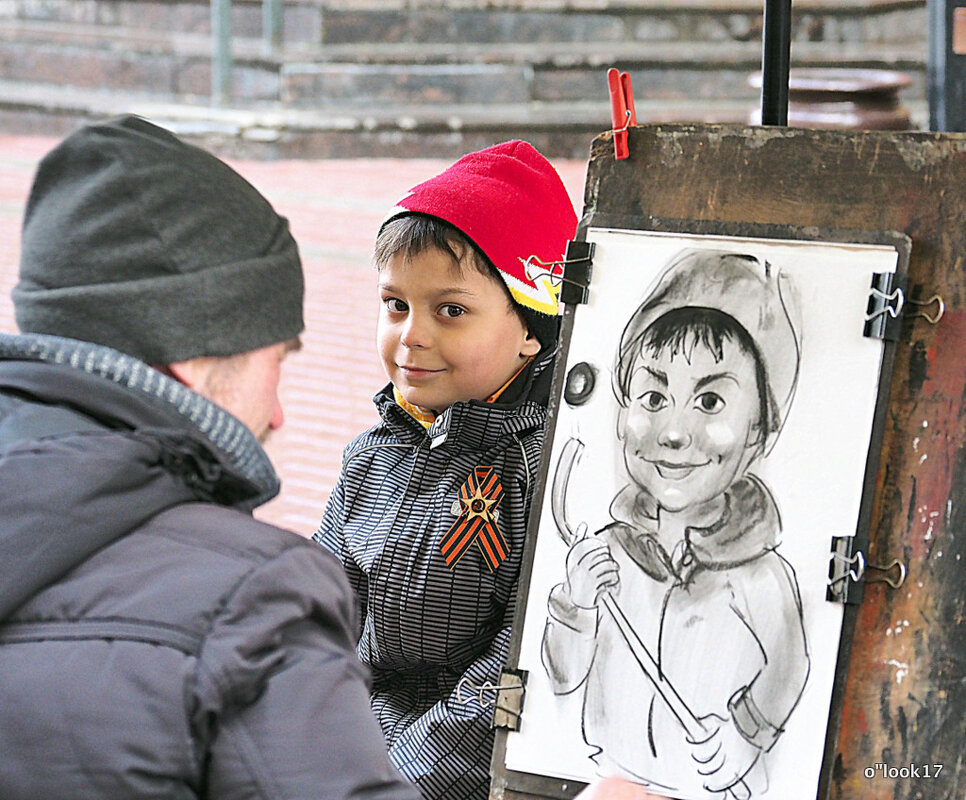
x=711, y=442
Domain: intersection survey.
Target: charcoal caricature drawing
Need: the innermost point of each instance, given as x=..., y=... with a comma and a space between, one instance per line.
x=679, y=623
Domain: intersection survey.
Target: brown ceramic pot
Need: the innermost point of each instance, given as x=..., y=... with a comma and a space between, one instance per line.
x=841, y=98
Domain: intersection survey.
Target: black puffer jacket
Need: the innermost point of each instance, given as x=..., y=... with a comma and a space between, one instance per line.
x=155, y=640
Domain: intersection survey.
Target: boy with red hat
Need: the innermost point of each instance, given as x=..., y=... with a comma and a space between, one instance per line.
x=430, y=511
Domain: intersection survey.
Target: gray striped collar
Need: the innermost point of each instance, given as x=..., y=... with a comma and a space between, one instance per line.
x=223, y=431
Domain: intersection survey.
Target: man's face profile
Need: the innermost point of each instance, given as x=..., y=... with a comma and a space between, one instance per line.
x=246, y=385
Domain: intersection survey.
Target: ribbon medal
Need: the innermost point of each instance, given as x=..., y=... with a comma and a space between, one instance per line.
x=479, y=499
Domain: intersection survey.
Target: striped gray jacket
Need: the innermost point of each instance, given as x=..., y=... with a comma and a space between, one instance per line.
x=430, y=630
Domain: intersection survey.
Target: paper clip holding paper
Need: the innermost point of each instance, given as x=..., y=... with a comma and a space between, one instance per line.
x=553, y=271
x=507, y=702
x=622, y=110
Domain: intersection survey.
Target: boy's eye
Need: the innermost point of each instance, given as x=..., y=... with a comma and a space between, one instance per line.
x=709, y=403
x=452, y=311
x=653, y=401
x=395, y=305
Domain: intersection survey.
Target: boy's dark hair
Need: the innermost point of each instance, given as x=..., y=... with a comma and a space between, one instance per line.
x=679, y=331
x=413, y=234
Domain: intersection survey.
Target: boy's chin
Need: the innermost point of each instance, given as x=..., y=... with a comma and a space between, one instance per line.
x=672, y=502
x=698, y=510
x=422, y=399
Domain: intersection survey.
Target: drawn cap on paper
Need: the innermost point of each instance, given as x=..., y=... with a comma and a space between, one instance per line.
x=759, y=296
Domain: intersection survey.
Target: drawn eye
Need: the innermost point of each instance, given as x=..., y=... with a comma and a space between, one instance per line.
x=709, y=403
x=653, y=401
x=395, y=306
x=452, y=311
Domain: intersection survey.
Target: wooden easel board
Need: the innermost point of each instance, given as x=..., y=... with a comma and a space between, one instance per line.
x=900, y=697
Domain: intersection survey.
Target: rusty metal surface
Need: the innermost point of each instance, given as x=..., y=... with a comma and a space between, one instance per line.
x=902, y=699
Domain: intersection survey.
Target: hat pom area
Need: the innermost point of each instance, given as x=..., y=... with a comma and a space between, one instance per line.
x=511, y=203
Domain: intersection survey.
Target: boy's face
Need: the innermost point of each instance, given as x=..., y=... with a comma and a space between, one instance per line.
x=445, y=336
x=690, y=429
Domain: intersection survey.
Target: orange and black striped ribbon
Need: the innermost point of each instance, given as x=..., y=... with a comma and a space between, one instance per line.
x=480, y=497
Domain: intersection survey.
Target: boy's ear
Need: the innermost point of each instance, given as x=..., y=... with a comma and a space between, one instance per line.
x=531, y=345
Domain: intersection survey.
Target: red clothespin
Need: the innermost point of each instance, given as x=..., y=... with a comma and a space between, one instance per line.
x=622, y=110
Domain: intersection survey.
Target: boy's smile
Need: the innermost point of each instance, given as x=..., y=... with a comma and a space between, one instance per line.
x=447, y=334
x=690, y=429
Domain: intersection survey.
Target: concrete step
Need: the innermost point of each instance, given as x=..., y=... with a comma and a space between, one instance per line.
x=177, y=65
x=168, y=63
x=562, y=130
x=648, y=20
x=660, y=70
x=491, y=21
x=417, y=77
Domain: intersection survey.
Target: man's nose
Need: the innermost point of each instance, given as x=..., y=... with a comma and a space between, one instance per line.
x=278, y=416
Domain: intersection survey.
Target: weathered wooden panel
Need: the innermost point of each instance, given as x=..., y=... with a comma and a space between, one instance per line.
x=903, y=697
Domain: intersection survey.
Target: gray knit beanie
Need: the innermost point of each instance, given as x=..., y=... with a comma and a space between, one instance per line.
x=135, y=240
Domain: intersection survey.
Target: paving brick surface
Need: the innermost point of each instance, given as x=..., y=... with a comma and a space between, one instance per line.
x=334, y=208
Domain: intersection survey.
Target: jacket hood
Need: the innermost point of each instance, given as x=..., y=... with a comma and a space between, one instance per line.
x=749, y=527
x=92, y=445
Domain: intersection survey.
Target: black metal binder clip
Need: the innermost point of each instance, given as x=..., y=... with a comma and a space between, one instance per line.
x=888, y=300
x=849, y=571
x=572, y=273
x=506, y=697
x=883, y=315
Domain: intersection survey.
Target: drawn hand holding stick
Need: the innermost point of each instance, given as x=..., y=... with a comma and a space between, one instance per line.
x=722, y=754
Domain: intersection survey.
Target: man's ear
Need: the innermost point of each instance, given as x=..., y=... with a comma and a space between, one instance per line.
x=192, y=373
x=531, y=345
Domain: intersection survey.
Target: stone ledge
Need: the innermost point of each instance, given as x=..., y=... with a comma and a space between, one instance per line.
x=609, y=6
x=273, y=132
x=127, y=41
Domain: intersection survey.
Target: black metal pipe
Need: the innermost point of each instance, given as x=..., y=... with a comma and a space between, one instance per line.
x=775, y=58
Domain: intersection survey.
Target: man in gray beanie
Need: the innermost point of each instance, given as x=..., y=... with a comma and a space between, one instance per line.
x=155, y=640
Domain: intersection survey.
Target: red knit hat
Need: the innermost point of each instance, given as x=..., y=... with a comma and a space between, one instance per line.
x=510, y=202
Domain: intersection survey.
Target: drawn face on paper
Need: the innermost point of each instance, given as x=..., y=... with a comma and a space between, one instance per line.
x=691, y=427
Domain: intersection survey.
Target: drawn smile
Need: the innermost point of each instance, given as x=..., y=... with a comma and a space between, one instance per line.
x=676, y=472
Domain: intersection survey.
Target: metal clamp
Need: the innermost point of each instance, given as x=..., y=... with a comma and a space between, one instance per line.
x=888, y=300
x=883, y=313
x=627, y=124
x=506, y=697
x=571, y=274
x=890, y=303
x=849, y=571
x=555, y=278
x=931, y=319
